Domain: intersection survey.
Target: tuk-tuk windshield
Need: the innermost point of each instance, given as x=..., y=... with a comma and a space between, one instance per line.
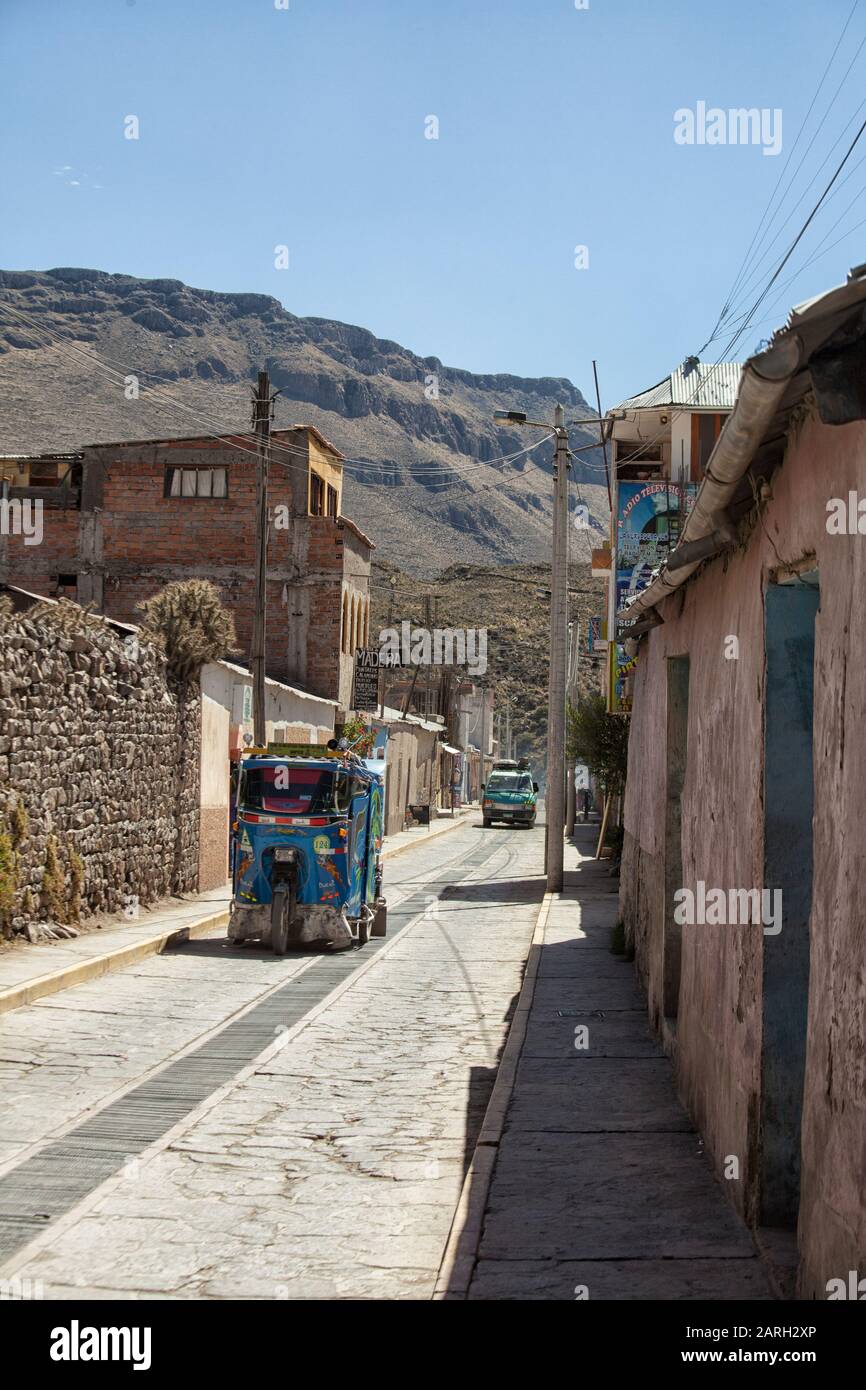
x=299, y=791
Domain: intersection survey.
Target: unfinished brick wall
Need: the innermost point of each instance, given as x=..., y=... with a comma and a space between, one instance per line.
x=129, y=539
x=36, y=567
x=332, y=561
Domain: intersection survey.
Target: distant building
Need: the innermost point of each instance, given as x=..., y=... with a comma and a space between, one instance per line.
x=35, y=470
x=122, y=520
x=661, y=441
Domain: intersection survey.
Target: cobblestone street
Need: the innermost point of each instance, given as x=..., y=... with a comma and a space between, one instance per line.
x=329, y=1163
x=215, y=1123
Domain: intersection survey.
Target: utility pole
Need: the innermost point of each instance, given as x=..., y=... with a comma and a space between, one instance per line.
x=555, y=805
x=481, y=777
x=555, y=800
x=393, y=583
x=262, y=425
x=572, y=693
x=428, y=619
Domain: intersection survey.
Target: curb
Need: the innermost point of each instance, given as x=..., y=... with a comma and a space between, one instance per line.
x=83, y=971
x=461, y=1250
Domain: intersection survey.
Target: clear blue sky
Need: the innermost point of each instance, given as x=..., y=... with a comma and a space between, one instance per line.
x=305, y=127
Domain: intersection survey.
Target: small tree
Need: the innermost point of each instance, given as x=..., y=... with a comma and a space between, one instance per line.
x=187, y=620
x=600, y=740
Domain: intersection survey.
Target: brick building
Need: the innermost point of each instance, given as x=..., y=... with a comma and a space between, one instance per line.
x=121, y=520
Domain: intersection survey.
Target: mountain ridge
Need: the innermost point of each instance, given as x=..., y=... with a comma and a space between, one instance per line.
x=433, y=475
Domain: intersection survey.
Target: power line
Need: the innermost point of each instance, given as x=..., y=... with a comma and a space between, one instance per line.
x=737, y=279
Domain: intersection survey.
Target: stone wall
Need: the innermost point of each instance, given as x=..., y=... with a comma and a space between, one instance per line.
x=102, y=752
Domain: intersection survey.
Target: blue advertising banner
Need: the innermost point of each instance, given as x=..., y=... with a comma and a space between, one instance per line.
x=651, y=515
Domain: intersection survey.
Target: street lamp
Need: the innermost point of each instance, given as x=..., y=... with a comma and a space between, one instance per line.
x=555, y=801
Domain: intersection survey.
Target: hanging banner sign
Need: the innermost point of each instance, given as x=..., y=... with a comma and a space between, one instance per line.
x=366, y=691
x=651, y=515
x=597, y=634
x=619, y=668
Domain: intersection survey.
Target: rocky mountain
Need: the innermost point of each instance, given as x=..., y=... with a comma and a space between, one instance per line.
x=432, y=477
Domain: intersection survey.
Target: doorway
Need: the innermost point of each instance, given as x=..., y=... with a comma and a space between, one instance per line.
x=677, y=752
x=790, y=611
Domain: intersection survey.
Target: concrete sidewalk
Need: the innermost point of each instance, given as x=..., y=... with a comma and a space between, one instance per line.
x=589, y=1180
x=31, y=971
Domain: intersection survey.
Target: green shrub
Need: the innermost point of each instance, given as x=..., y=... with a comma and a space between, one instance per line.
x=76, y=881
x=53, y=891
x=8, y=881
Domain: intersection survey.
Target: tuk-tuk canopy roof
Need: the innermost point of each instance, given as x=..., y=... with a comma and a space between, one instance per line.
x=326, y=759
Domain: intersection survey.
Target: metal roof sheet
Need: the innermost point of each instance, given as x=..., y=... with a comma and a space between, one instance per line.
x=700, y=385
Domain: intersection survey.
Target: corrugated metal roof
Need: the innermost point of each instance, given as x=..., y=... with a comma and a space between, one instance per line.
x=700, y=385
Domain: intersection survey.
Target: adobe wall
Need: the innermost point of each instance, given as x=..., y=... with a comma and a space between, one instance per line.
x=718, y=1031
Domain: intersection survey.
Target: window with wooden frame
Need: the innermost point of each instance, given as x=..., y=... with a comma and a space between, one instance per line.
x=317, y=495
x=44, y=473
x=705, y=431
x=196, y=482
x=332, y=502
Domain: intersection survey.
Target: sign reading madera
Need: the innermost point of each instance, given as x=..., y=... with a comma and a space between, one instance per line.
x=366, y=692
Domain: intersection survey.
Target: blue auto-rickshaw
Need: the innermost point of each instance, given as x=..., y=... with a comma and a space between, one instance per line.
x=307, y=840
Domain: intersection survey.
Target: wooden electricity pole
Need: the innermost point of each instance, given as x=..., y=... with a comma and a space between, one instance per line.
x=262, y=426
x=555, y=799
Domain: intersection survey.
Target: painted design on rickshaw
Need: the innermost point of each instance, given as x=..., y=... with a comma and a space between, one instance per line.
x=307, y=866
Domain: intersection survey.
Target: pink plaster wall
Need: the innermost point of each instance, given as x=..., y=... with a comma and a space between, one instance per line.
x=719, y=1024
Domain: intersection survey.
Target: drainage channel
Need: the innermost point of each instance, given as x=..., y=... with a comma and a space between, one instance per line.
x=51, y=1182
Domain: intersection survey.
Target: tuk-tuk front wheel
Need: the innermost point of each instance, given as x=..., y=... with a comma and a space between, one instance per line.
x=282, y=916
